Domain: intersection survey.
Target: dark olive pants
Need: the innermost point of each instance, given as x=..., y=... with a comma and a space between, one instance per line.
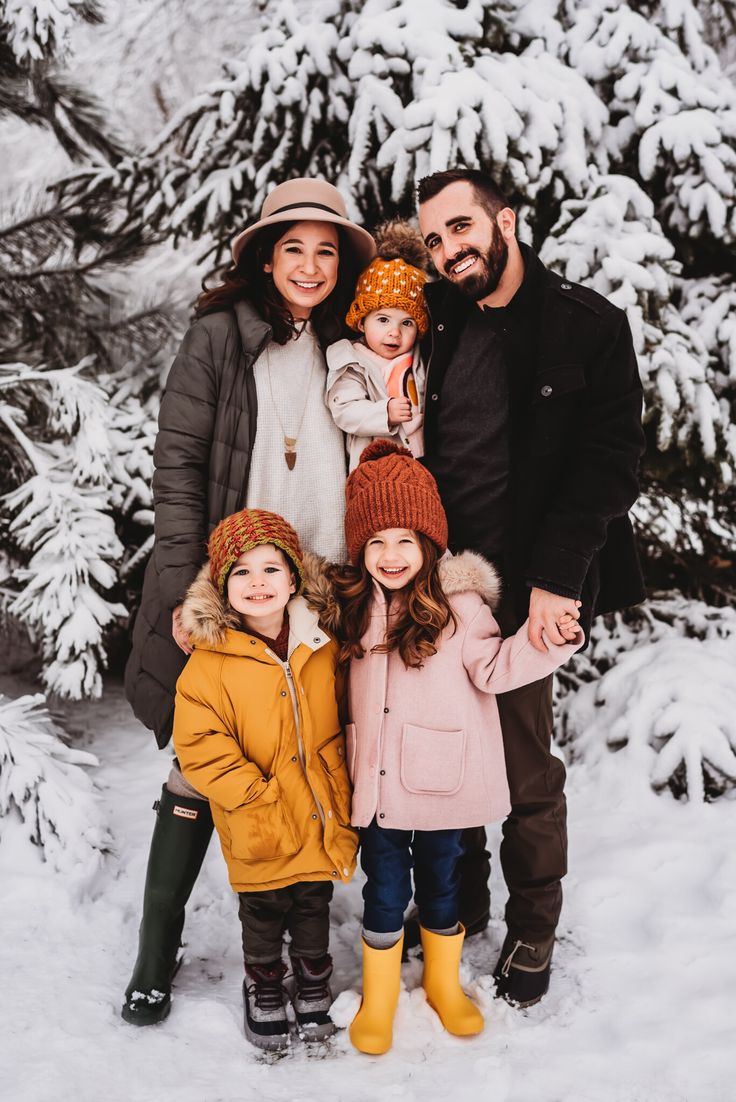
x=303, y=909
x=534, y=845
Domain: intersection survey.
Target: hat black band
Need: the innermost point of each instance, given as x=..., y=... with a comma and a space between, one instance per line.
x=295, y=206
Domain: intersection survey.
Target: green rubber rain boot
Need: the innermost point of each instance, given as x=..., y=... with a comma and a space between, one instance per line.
x=180, y=839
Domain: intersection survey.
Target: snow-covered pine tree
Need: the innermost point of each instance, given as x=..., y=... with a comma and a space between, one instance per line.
x=84, y=450
x=43, y=781
x=75, y=449
x=34, y=35
x=656, y=685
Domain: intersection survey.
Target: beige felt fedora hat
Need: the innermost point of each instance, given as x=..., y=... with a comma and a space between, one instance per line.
x=304, y=200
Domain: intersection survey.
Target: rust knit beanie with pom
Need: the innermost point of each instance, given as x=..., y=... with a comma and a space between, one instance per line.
x=241, y=532
x=390, y=489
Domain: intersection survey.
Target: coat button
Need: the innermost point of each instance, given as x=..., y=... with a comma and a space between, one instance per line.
x=435, y=397
x=566, y=286
x=294, y=758
x=383, y=772
x=385, y=709
x=546, y=391
x=334, y=872
x=381, y=815
x=346, y=871
x=440, y=328
x=314, y=815
x=317, y=639
x=252, y=642
x=283, y=692
x=329, y=814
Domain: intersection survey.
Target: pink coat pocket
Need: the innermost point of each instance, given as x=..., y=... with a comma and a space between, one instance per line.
x=432, y=761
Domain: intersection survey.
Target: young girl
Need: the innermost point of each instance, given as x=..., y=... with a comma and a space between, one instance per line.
x=425, y=752
x=256, y=731
x=375, y=385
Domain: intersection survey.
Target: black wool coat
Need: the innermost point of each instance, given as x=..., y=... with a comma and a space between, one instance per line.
x=576, y=440
x=207, y=426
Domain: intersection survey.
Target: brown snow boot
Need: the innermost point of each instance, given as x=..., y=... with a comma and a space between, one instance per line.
x=523, y=970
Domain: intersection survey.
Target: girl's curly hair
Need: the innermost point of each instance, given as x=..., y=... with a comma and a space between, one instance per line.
x=423, y=615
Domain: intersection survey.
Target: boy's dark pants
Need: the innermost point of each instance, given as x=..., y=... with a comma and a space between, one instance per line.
x=387, y=857
x=303, y=909
x=534, y=845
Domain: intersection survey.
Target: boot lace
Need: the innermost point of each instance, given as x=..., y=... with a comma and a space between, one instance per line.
x=313, y=986
x=267, y=986
x=506, y=967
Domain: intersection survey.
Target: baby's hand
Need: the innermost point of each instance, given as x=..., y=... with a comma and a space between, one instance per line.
x=567, y=626
x=399, y=409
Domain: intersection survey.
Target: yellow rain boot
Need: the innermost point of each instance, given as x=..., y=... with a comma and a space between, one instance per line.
x=371, y=1030
x=441, y=983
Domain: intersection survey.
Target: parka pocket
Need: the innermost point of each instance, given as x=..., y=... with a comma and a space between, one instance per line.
x=332, y=755
x=432, y=761
x=263, y=830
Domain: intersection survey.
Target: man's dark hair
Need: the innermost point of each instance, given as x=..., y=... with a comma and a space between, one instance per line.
x=487, y=192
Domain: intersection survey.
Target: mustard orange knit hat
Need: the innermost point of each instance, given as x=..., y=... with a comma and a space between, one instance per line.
x=240, y=532
x=394, y=280
x=390, y=489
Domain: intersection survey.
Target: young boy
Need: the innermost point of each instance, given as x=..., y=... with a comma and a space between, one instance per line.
x=256, y=730
x=375, y=385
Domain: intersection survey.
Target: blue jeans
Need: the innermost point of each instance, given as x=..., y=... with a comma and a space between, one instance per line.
x=387, y=857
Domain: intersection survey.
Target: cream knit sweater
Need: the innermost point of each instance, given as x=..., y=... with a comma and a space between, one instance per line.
x=312, y=495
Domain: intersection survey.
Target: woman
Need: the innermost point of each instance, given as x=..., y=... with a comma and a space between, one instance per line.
x=243, y=424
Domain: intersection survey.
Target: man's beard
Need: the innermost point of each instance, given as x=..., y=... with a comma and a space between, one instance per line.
x=486, y=276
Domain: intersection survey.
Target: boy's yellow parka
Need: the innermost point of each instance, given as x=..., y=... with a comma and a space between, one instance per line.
x=261, y=739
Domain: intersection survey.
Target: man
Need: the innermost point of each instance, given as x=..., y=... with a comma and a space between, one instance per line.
x=533, y=432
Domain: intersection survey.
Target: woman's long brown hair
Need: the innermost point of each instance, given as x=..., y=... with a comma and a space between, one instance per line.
x=247, y=280
x=424, y=614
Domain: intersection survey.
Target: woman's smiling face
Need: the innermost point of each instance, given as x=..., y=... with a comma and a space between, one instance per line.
x=304, y=266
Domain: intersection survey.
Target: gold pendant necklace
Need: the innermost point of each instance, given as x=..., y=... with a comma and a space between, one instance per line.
x=290, y=442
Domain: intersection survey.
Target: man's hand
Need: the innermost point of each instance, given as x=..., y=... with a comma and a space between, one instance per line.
x=399, y=409
x=557, y=615
x=180, y=636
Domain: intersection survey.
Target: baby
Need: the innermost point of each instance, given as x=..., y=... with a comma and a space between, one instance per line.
x=375, y=384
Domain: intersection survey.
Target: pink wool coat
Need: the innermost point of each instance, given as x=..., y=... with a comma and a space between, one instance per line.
x=424, y=746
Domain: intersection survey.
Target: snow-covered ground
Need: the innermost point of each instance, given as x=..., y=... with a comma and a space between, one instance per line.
x=641, y=1008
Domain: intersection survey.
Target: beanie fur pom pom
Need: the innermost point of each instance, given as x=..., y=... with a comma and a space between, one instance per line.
x=378, y=449
x=398, y=240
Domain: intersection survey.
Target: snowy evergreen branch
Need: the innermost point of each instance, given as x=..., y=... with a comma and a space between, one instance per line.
x=43, y=781
x=39, y=29
x=33, y=35
x=655, y=685
x=95, y=464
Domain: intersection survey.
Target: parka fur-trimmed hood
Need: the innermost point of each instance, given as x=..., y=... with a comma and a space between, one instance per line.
x=467, y=572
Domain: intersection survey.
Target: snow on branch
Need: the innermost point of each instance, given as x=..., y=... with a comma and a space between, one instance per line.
x=43, y=781
x=38, y=29
x=671, y=706
x=656, y=684
x=528, y=120
x=672, y=107
x=61, y=518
